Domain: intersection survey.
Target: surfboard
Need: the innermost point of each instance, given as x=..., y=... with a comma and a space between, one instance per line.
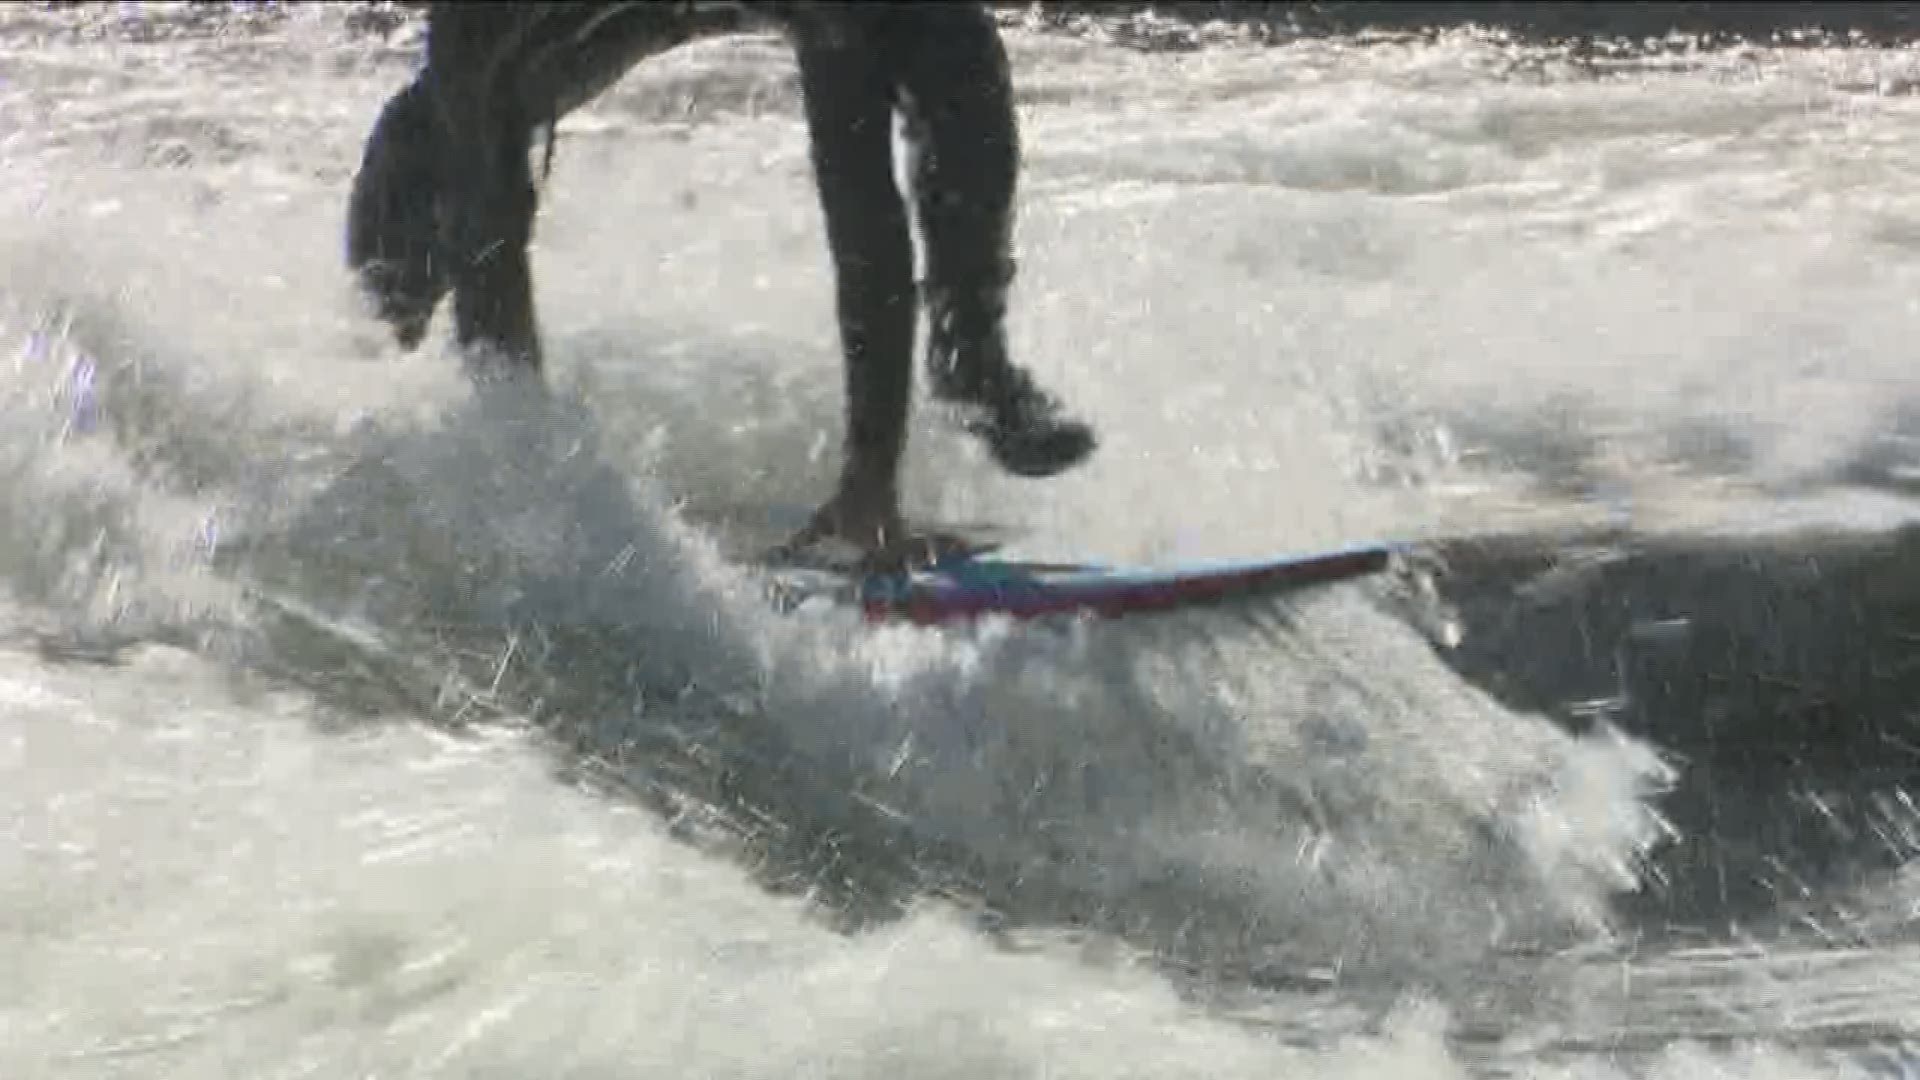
x=975, y=584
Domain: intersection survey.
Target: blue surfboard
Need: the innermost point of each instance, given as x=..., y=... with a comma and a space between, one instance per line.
x=973, y=585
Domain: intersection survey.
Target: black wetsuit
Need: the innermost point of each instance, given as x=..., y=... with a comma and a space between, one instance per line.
x=445, y=195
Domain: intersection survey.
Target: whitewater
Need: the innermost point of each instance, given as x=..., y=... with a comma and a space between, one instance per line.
x=350, y=726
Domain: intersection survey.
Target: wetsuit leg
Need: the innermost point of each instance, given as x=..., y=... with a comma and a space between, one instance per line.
x=964, y=153
x=495, y=73
x=391, y=224
x=484, y=181
x=849, y=97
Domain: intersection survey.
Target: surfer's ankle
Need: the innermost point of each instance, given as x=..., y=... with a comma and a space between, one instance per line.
x=967, y=357
x=867, y=489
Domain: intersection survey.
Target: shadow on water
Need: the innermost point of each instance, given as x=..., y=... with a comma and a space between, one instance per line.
x=1778, y=672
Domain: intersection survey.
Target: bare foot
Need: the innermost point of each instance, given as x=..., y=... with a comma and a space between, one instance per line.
x=875, y=529
x=868, y=523
x=918, y=552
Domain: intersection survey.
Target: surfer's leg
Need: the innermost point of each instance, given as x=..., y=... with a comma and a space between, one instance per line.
x=848, y=95
x=484, y=181
x=390, y=216
x=550, y=61
x=965, y=152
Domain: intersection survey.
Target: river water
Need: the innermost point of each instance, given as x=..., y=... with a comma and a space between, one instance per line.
x=348, y=728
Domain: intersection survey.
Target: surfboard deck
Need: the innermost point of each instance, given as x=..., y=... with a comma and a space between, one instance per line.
x=972, y=584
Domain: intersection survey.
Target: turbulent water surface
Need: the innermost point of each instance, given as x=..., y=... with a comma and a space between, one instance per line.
x=349, y=727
